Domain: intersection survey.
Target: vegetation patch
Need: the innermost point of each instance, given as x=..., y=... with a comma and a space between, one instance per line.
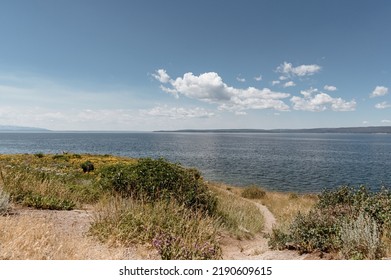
x=239, y=217
x=173, y=230
x=253, y=192
x=351, y=221
x=155, y=180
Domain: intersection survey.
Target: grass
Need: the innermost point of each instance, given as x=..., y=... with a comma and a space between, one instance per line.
x=239, y=217
x=171, y=211
x=195, y=214
x=179, y=233
x=4, y=202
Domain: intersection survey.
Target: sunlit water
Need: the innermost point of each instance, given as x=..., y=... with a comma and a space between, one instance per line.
x=287, y=162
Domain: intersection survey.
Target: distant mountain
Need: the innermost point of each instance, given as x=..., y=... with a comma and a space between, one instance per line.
x=369, y=129
x=11, y=128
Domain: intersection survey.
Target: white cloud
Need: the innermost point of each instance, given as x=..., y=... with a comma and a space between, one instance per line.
x=177, y=112
x=289, y=84
x=383, y=105
x=386, y=121
x=258, y=78
x=275, y=83
x=161, y=76
x=317, y=101
x=379, y=91
x=330, y=88
x=365, y=122
x=209, y=87
x=302, y=70
x=239, y=79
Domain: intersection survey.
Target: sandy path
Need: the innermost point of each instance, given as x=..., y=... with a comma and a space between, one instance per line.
x=257, y=248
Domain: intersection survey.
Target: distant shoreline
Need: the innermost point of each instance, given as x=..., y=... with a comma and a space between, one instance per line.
x=368, y=130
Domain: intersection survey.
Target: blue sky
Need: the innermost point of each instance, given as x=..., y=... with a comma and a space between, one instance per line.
x=148, y=64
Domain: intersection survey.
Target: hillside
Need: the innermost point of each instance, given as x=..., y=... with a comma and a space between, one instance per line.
x=11, y=128
x=369, y=129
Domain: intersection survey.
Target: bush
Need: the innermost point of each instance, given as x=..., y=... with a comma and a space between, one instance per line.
x=361, y=238
x=253, y=192
x=39, y=155
x=154, y=180
x=350, y=220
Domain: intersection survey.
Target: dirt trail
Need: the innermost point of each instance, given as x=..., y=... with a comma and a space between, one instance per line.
x=257, y=248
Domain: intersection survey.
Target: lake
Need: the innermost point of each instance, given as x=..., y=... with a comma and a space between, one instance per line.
x=278, y=161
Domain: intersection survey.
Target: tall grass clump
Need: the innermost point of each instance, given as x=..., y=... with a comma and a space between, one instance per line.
x=351, y=221
x=4, y=201
x=155, y=180
x=173, y=230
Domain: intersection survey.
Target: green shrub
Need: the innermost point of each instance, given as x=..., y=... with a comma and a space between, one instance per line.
x=153, y=180
x=350, y=220
x=360, y=238
x=253, y=192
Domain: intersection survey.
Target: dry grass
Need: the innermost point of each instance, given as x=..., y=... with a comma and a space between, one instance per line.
x=240, y=217
x=173, y=230
x=32, y=238
x=285, y=206
x=4, y=201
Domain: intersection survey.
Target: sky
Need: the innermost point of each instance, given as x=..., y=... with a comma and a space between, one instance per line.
x=143, y=65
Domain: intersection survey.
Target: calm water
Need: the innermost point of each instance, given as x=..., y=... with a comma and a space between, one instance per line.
x=288, y=162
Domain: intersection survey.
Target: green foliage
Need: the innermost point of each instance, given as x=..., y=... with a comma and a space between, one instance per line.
x=39, y=201
x=361, y=238
x=154, y=180
x=253, y=192
x=348, y=220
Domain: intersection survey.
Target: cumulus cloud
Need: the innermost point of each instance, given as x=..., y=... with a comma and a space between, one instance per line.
x=316, y=101
x=289, y=84
x=386, y=121
x=177, y=112
x=302, y=70
x=383, y=105
x=161, y=76
x=330, y=88
x=209, y=87
x=379, y=91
